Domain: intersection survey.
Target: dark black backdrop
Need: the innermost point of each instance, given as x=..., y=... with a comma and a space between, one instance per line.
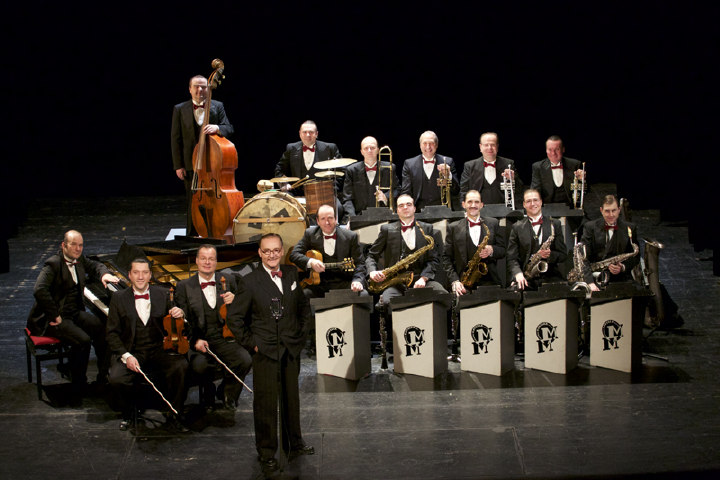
x=629, y=86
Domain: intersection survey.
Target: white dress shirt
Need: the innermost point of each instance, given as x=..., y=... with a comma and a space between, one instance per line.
x=537, y=228
x=371, y=175
x=490, y=173
x=408, y=235
x=308, y=156
x=428, y=167
x=277, y=280
x=557, y=174
x=199, y=113
x=71, y=267
x=210, y=291
x=475, y=231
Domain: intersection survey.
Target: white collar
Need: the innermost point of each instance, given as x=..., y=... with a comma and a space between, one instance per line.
x=425, y=159
x=268, y=270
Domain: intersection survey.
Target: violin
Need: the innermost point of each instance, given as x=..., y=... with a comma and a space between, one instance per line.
x=226, y=332
x=175, y=340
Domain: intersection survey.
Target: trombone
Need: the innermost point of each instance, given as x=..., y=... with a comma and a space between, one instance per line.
x=388, y=153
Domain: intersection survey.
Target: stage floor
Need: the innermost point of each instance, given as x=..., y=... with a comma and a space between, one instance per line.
x=662, y=421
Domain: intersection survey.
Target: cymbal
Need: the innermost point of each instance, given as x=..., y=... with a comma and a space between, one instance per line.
x=329, y=174
x=284, y=179
x=335, y=163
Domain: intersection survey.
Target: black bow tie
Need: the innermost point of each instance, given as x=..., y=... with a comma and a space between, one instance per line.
x=539, y=222
x=610, y=227
x=474, y=224
x=205, y=284
x=330, y=237
x=195, y=107
x=407, y=227
x=275, y=274
x=71, y=263
x=308, y=149
x=146, y=296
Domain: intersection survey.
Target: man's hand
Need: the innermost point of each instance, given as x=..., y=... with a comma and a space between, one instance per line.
x=442, y=167
x=285, y=187
x=594, y=287
x=211, y=129
x=380, y=196
x=256, y=349
x=509, y=174
x=109, y=278
x=615, y=268
x=420, y=282
x=377, y=276
x=228, y=297
x=317, y=265
x=545, y=253
x=486, y=252
x=133, y=364
x=181, y=173
x=57, y=321
x=580, y=174
x=458, y=288
x=356, y=287
x=201, y=346
x=176, y=312
x=521, y=281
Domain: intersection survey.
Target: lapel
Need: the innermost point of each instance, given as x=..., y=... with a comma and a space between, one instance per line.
x=189, y=118
x=547, y=178
x=461, y=240
x=394, y=243
x=298, y=159
x=287, y=283
x=267, y=283
x=317, y=242
x=567, y=178
x=419, y=239
x=529, y=234
x=195, y=296
x=418, y=175
x=600, y=237
x=342, y=246
x=129, y=303
x=318, y=150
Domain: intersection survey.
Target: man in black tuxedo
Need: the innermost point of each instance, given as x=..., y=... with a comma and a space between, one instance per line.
x=201, y=297
x=187, y=120
x=554, y=176
x=526, y=238
x=362, y=180
x=59, y=310
x=609, y=237
x=420, y=174
x=300, y=157
x=462, y=241
x=401, y=239
x=135, y=334
x=273, y=287
x=485, y=174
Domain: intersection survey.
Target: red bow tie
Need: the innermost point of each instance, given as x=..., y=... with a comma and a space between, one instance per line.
x=539, y=222
x=407, y=227
x=554, y=167
x=474, y=224
x=276, y=274
x=145, y=296
x=195, y=107
x=328, y=237
x=610, y=227
x=308, y=149
x=205, y=284
x=71, y=263
x=488, y=164
x=428, y=161
x=371, y=169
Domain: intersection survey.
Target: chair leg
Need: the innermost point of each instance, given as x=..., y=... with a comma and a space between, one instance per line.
x=38, y=374
x=29, y=363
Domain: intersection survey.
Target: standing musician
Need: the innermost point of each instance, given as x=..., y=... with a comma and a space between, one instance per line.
x=135, y=334
x=462, y=241
x=59, y=310
x=553, y=176
x=259, y=336
x=362, y=179
x=526, y=238
x=485, y=174
x=187, y=119
x=420, y=174
x=607, y=237
x=202, y=297
x=399, y=240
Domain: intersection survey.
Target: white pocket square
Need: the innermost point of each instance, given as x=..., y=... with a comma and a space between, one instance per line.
x=292, y=287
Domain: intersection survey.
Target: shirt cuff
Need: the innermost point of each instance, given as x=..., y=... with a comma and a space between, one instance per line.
x=125, y=357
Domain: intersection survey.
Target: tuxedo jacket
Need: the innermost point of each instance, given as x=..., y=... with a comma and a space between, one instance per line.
x=542, y=177
x=473, y=178
x=251, y=320
x=597, y=248
x=522, y=246
x=53, y=281
x=123, y=318
x=189, y=298
x=413, y=175
x=346, y=246
x=391, y=243
x=355, y=192
x=183, y=137
x=292, y=162
x=455, y=254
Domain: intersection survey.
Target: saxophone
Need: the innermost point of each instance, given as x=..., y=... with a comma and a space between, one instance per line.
x=577, y=274
x=392, y=275
x=537, y=265
x=476, y=268
x=602, y=265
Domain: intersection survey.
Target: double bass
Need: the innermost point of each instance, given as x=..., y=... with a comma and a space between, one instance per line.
x=215, y=200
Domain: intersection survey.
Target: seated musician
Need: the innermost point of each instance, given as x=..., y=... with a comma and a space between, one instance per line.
x=485, y=174
x=400, y=240
x=420, y=174
x=554, y=176
x=201, y=298
x=526, y=238
x=59, y=311
x=135, y=335
x=607, y=237
x=462, y=241
x=362, y=179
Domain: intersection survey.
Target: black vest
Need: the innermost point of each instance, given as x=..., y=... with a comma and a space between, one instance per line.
x=430, y=192
x=491, y=193
x=147, y=337
x=559, y=195
x=72, y=302
x=212, y=326
x=370, y=187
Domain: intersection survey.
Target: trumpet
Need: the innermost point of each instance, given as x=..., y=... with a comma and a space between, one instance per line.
x=509, y=187
x=388, y=153
x=578, y=190
x=445, y=184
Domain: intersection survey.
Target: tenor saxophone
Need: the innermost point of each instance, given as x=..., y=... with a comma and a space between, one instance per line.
x=393, y=275
x=604, y=264
x=537, y=265
x=476, y=268
x=580, y=268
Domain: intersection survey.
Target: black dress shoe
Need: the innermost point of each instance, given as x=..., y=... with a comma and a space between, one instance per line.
x=174, y=424
x=303, y=450
x=229, y=405
x=126, y=425
x=269, y=466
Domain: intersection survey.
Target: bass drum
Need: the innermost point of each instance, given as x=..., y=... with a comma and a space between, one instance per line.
x=271, y=212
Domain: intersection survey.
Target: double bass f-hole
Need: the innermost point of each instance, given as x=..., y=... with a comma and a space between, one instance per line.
x=218, y=194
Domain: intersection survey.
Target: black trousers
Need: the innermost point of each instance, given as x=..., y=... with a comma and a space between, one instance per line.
x=81, y=331
x=265, y=403
x=400, y=289
x=233, y=355
x=172, y=366
x=190, y=229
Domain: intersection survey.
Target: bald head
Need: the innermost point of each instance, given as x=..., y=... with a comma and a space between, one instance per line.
x=369, y=150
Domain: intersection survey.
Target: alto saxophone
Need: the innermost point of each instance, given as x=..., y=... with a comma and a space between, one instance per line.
x=577, y=274
x=476, y=268
x=537, y=265
x=602, y=265
x=393, y=275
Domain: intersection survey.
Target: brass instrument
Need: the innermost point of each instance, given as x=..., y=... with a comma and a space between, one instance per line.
x=578, y=190
x=580, y=268
x=656, y=310
x=476, y=268
x=537, y=265
x=602, y=265
x=392, y=275
x=387, y=152
x=445, y=184
x=508, y=186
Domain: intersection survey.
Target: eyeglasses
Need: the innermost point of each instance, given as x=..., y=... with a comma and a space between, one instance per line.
x=274, y=251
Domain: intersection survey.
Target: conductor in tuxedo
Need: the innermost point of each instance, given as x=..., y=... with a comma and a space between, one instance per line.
x=251, y=319
x=420, y=174
x=201, y=297
x=609, y=237
x=362, y=179
x=187, y=120
x=135, y=334
x=554, y=176
x=59, y=310
x=485, y=174
x=401, y=239
x=462, y=241
x=526, y=238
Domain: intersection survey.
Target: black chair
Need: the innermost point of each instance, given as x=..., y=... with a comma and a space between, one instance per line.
x=53, y=349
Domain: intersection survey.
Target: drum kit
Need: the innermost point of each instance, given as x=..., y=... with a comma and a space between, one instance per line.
x=274, y=211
